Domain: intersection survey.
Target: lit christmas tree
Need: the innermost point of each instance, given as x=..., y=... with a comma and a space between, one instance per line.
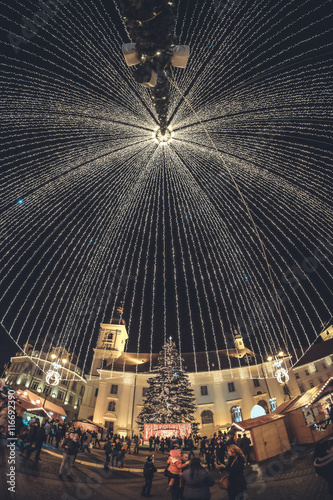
x=169, y=397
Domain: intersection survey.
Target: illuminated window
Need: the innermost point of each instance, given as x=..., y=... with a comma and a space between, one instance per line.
x=34, y=385
x=236, y=414
x=272, y=404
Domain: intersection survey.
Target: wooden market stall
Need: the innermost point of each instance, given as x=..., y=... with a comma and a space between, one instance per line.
x=268, y=436
x=307, y=416
x=31, y=405
x=86, y=425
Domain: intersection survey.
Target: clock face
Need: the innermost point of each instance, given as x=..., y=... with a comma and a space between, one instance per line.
x=52, y=377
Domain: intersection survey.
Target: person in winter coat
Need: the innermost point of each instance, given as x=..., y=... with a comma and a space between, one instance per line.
x=107, y=450
x=245, y=447
x=176, y=465
x=197, y=481
x=323, y=462
x=70, y=447
x=235, y=467
x=149, y=470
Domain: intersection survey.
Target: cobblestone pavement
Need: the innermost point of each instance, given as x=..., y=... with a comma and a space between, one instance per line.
x=287, y=477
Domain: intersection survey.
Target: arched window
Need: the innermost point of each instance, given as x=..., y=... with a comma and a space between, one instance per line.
x=264, y=405
x=236, y=414
x=112, y=406
x=207, y=417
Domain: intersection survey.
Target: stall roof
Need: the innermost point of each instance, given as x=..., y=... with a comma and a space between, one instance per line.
x=312, y=395
x=250, y=423
x=31, y=398
x=283, y=408
x=86, y=420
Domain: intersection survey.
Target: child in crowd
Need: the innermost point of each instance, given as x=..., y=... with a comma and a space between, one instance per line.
x=176, y=465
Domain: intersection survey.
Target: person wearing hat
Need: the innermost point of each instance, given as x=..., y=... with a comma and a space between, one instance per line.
x=149, y=470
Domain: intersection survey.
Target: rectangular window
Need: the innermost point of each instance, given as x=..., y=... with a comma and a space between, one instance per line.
x=61, y=395
x=324, y=366
x=144, y=391
x=307, y=373
x=301, y=388
x=231, y=387
x=273, y=404
x=96, y=393
x=112, y=406
x=82, y=391
x=47, y=390
x=34, y=385
x=311, y=385
x=114, y=389
x=256, y=382
x=297, y=376
x=70, y=399
x=74, y=386
x=320, y=380
x=204, y=390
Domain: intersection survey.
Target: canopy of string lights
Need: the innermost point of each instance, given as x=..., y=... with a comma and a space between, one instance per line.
x=223, y=219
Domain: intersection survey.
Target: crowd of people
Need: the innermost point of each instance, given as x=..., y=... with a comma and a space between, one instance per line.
x=187, y=478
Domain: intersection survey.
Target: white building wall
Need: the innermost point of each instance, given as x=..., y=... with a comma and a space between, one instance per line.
x=219, y=400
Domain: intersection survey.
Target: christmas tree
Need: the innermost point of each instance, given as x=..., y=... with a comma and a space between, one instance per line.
x=169, y=398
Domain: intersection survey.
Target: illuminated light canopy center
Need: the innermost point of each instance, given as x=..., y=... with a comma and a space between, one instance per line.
x=162, y=138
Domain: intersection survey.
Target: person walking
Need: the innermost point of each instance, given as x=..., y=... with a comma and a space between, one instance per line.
x=70, y=447
x=323, y=462
x=128, y=443
x=245, y=447
x=196, y=481
x=52, y=432
x=235, y=468
x=151, y=443
x=136, y=445
x=86, y=442
x=121, y=456
x=107, y=450
x=116, y=451
x=149, y=470
x=190, y=445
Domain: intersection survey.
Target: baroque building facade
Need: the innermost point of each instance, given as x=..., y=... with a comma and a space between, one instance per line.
x=28, y=368
x=228, y=385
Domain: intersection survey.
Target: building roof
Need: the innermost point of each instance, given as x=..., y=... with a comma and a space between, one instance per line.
x=250, y=423
x=199, y=361
x=316, y=351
